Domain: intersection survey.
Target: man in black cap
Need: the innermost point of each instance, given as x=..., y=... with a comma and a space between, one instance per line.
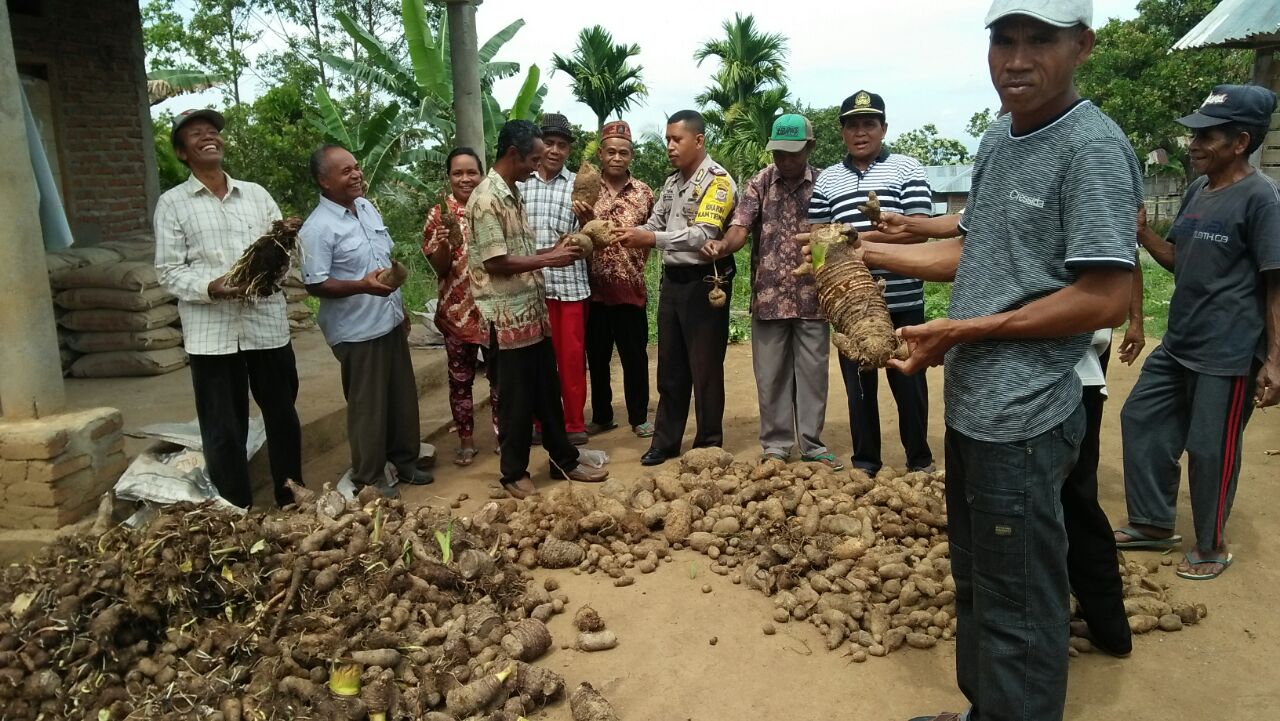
x=202, y=228
x=548, y=198
x=1221, y=354
x=899, y=182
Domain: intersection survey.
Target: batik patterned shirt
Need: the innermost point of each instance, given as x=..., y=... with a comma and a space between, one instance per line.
x=774, y=210
x=515, y=305
x=617, y=273
x=457, y=314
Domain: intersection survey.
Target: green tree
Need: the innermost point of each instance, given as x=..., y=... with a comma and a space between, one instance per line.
x=979, y=122
x=268, y=142
x=650, y=163
x=829, y=147
x=924, y=144
x=749, y=59
x=603, y=77
x=1134, y=78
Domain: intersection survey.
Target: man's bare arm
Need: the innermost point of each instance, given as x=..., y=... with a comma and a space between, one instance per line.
x=936, y=261
x=1267, y=392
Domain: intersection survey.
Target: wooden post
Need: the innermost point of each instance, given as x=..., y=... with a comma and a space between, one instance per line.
x=464, y=54
x=30, y=369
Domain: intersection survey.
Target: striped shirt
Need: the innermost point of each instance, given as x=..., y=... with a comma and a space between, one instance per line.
x=198, y=238
x=549, y=205
x=1044, y=205
x=900, y=184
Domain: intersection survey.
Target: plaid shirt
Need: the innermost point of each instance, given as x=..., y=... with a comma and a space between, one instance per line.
x=198, y=238
x=549, y=204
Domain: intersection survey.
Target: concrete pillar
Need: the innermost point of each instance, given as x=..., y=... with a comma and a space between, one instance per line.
x=464, y=55
x=30, y=370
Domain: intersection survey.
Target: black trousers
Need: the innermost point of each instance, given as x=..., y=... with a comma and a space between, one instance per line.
x=692, y=337
x=627, y=327
x=222, y=384
x=910, y=392
x=382, y=405
x=529, y=388
x=1091, y=546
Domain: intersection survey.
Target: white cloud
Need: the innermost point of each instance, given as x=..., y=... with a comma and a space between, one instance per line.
x=928, y=60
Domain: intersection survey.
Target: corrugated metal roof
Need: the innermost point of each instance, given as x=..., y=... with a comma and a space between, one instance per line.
x=949, y=178
x=1236, y=23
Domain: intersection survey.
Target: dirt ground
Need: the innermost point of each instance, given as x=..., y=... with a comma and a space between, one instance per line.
x=666, y=667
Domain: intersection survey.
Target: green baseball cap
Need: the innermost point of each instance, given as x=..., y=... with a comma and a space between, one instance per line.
x=791, y=133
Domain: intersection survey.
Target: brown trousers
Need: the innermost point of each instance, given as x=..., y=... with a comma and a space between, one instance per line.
x=382, y=405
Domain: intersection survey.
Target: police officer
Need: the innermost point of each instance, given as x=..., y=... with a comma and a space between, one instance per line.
x=694, y=206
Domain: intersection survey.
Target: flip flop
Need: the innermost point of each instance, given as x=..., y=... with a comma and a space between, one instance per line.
x=773, y=457
x=644, y=430
x=1142, y=540
x=464, y=456
x=1190, y=576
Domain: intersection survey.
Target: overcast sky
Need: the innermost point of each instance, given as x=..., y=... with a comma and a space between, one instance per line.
x=928, y=59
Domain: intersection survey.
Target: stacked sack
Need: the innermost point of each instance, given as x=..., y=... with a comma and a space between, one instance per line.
x=295, y=295
x=70, y=259
x=118, y=318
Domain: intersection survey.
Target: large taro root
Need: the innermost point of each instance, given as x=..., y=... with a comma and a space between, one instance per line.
x=853, y=301
x=581, y=241
x=586, y=186
x=265, y=263
x=600, y=232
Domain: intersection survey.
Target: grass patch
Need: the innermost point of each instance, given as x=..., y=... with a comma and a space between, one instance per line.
x=739, y=303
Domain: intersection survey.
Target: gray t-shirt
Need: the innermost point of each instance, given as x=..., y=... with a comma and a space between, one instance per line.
x=1223, y=239
x=1043, y=206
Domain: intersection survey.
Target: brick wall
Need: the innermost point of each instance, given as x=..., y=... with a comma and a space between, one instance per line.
x=92, y=54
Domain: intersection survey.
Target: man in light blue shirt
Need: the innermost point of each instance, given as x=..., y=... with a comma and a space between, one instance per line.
x=346, y=251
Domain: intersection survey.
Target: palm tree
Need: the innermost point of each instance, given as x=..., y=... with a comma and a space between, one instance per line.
x=746, y=128
x=603, y=79
x=749, y=61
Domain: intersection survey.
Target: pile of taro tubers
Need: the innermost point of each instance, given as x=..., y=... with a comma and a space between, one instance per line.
x=333, y=610
x=348, y=610
x=264, y=264
x=863, y=559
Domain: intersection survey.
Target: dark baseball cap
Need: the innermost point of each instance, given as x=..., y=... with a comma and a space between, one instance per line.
x=862, y=103
x=187, y=116
x=1246, y=104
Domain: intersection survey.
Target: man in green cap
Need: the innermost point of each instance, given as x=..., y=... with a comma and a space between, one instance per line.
x=789, y=337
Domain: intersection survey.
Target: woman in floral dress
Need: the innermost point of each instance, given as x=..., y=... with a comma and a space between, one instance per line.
x=457, y=316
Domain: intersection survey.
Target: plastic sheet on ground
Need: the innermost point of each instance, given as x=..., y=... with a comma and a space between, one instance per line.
x=426, y=458
x=172, y=469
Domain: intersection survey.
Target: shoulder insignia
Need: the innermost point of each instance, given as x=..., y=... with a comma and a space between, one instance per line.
x=718, y=170
x=698, y=176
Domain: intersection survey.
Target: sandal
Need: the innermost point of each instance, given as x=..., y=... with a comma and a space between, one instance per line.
x=464, y=456
x=827, y=459
x=1142, y=540
x=1223, y=561
x=644, y=430
x=773, y=457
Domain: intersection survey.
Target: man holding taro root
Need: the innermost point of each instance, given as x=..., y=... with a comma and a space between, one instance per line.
x=202, y=227
x=790, y=339
x=696, y=202
x=618, y=294
x=1045, y=259
x=347, y=265
x=506, y=280
x=899, y=184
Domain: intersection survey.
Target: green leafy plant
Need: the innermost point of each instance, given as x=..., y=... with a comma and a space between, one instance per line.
x=445, y=540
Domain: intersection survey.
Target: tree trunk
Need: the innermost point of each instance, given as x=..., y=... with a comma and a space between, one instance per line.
x=315, y=26
x=464, y=55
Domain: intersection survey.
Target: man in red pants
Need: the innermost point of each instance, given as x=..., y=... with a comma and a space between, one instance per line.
x=548, y=197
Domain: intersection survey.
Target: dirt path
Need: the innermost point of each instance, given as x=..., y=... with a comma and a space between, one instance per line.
x=665, y=667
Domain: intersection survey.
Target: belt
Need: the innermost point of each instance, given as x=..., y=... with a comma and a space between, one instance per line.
x=691, y=273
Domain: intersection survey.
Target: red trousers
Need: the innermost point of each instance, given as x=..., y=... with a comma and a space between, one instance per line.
x=569, y=337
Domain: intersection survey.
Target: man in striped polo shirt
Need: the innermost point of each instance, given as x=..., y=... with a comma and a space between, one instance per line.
x=1045, y=259
x=899, y=182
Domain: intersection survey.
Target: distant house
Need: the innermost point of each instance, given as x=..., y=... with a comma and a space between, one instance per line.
x=950, y=186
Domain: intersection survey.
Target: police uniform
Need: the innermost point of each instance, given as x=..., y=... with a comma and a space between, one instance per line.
x=692, y=335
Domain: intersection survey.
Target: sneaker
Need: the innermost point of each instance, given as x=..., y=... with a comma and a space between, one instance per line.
x=827, y=459
x=586, y=474
x=594, y=428
x=418, y=477
x=931, y=468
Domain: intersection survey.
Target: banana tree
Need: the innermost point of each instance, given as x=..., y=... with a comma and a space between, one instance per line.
x=165, y=83
x=381, y=144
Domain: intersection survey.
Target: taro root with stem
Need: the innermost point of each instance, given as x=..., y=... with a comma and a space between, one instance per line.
x=265, y=263
x=716, y=297
x=853, y=301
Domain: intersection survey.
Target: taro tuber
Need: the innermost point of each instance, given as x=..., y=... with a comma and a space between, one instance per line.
x=586, y=704
x=451, y=226
x=853, y=301
x=587, y=619
x=580, y=241
x=871, y=208
x=599, y=231
x=394, y=276
x=466, y=700
x=716, y=297
x=527, y=640
x=598, y=641
x=265, y=263
x=586, y=185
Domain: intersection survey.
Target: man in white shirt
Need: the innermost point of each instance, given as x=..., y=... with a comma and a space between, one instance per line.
x=345, y=248
x=202, y=228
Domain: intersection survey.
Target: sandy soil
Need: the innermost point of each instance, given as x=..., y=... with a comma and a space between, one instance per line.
x=667, y=668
